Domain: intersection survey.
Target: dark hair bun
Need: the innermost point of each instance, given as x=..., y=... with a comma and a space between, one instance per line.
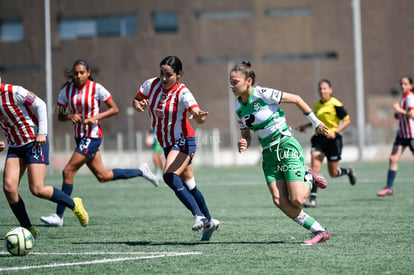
x=247, y=63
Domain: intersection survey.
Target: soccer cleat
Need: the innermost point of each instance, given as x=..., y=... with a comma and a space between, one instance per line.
x=311, y=204
x=351, y=175
x=148, y=175
x=318, y=179
x=159, y=176
x=80, y=212
x=52, y=220
x=318, y=237
x=385, y=192
x=208, y=229
x=198, y=222
x=33, y=231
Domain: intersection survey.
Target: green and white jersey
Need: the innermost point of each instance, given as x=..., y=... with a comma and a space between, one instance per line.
x=263, y=115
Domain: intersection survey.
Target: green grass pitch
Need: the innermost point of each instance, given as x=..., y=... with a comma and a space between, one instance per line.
x=136, y=228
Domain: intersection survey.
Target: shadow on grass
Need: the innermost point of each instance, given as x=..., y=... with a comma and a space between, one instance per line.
x=149, y=243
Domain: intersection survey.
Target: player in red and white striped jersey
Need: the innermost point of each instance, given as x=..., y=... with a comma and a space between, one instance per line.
x=169, y=110
x=23, y=120
x=170, y=104
x=404, y=112
x=79, y=102
x=18, y=121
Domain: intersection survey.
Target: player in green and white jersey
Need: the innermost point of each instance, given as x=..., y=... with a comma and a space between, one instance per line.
x=258, y=110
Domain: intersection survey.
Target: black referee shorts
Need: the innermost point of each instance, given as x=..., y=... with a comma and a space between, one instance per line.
x=332, y=148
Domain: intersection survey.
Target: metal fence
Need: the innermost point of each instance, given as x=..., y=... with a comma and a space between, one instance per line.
x=219, y=148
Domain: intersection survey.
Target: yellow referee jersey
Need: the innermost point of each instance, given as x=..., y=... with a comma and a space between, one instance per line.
x=331, y=113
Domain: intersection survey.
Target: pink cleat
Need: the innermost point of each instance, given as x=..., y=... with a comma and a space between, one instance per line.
x=385, y=192
x=319, y=237
x=319, y=180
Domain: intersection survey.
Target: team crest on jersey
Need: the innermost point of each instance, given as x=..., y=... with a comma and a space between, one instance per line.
x=256, y=106
x=163, y=97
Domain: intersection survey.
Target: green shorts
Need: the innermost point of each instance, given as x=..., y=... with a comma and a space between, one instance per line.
x=284, y=160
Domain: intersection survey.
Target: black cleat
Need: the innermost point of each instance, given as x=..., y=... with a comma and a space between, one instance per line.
x=351, y=175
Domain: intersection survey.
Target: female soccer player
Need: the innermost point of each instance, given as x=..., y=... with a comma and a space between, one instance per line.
x=404, y=112
x=169, y=104
x=79, y=102
x=331, y=112
x=258, y=109
x=24, y=123
x=157, y=153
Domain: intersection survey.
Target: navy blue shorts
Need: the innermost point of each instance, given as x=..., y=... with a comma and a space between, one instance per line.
x=88, y=146
x=404, y=142
x=187, y=146
x=30, y=153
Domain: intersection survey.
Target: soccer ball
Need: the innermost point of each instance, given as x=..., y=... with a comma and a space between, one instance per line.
x=19, y=241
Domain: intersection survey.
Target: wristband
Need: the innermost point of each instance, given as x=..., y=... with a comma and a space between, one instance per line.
x=313, y=119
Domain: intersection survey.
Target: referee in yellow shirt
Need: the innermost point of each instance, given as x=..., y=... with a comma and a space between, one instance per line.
x=332, y=113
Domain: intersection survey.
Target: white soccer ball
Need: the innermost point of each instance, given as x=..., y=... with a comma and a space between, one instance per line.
x=19, y=241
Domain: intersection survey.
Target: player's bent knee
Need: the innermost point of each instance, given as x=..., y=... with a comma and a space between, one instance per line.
x=102, y=178
x=394, y=159
x=37, y=192
x=297, y=202
x=68, y=174
x=9, y=191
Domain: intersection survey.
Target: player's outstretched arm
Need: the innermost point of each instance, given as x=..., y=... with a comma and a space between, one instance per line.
x=198, y=115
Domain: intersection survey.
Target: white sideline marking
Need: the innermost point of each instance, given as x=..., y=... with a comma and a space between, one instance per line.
x=143, y=256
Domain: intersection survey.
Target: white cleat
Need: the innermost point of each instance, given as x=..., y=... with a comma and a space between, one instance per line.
x=208, y=229
x=52, y=220
x=148, y=175
x=199, y=222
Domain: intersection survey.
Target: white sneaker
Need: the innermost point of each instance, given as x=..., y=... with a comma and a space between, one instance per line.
x=198, y=222
x=148, y=175
x=208, y=229
x=52, y=220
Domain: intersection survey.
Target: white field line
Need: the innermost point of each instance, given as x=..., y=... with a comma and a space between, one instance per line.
x=144, y=255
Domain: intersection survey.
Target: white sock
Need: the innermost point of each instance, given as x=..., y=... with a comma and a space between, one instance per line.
x=191, y=184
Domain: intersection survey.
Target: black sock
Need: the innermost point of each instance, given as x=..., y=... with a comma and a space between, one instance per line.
x=19, y=211
x=342, y=171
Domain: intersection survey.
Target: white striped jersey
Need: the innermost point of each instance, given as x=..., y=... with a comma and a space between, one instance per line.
x=17, y=119
x=406, y=129
x=168, y=110
x=87, y=102
x=263, y=115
